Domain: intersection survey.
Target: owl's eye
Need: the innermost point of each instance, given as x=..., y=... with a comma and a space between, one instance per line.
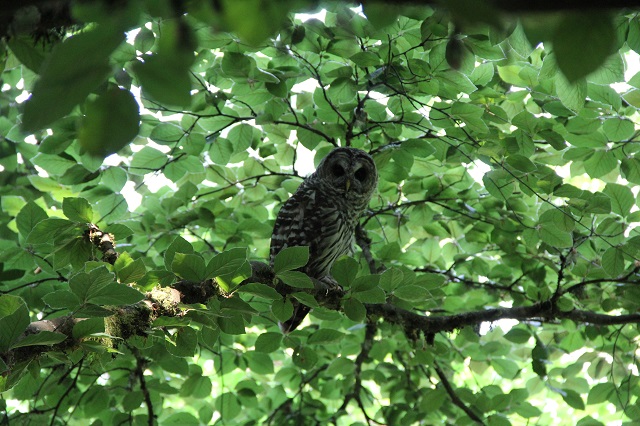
x=337, y=170
x=361, y=174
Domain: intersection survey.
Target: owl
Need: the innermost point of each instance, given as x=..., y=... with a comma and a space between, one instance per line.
x=323, y=214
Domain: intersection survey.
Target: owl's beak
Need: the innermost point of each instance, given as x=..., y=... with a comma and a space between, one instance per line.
x=348, y=184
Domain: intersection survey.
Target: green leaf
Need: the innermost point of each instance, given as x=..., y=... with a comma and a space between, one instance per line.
x=305, y=299
x=631, y=169
x=41, y=338
x=254, y=20
x=600, y=392
x=85, y=285
x=28, y=217
x=342, y=90
x=355, y=310
x=539, y=358
x=521, y=163
x=282, y=309
x=290, y=258
x=622, y=199
x=612, y=71
x=98, y=287
x=499, y=183
x=186, y=342
x=241, y=137
x=233, y=324
x=366, y=59
x=77, y=210
x=61, y=86
x=32, y=55
x=600, y=163
x=374, y=295
x=470, y=114
x=221, y=151
x=268, y=342
x=505, y=367
x=14, y=319
x=579, y=29
x=167, y=134
x=559, y=219
x=61, y=299
x=364, y=283
x=116, y=295
x=553, y=236
x=237, y=65
x=325, y=336
x=305, y=358
x=181, y=419
x=165, y=76
x=572, y=398
x=189, y=266
x=227, y=262
x=457, y=81
x=132, y=400
x=47, y=230
x=589, y=140
x=111, y=121
x=259, y=362
x=390, y=279
x=571, y=94
x=129, y=270
x=618, y=130
x=518, y=335
x=341, y=365
x=196, y=386
x=178, y=245
x=412, y=293
x=295, y=279
x=418, y=147
x=344, y=271
x=260, y=290
x=147, y=159
x=88, y=327
x=613, y=261
x=145, y=40
x=164, y=79
x=565, y=304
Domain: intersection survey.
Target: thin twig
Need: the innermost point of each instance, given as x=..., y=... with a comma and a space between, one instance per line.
x=455, y=399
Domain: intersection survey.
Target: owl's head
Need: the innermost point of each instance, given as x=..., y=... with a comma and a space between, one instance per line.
x=350, y=171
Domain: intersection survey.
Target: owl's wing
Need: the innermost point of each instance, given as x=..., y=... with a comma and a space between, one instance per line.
x=290, y=228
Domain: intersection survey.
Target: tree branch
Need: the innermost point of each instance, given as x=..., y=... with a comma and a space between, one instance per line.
x=455, y=399
x=541, y=312
x=166, y=301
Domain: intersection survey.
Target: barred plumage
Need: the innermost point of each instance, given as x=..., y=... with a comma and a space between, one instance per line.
x=323, y=214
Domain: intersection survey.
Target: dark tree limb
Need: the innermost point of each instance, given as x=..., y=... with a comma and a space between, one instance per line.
x=364, y=242
x=455, y=399
x=140, y=366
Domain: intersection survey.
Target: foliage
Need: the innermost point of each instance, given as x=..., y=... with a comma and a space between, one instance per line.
x=496, y=270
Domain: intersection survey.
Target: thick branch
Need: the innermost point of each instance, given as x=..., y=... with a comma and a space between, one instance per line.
x=167, y=302
x=542, y=311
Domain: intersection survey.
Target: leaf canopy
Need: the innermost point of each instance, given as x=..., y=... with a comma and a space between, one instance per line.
x=145, y=156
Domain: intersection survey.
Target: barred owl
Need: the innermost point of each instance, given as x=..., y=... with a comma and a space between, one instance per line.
x=323, y=214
